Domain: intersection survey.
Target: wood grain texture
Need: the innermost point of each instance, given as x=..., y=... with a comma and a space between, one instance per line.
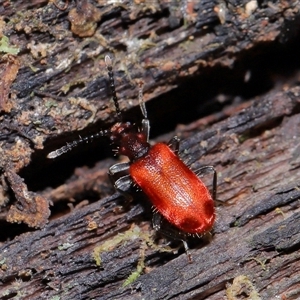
x=233, y=83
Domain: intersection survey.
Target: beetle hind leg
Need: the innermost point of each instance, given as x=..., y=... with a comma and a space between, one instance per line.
x=169, y=231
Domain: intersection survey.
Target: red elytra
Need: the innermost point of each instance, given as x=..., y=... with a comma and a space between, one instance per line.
x=176, y=192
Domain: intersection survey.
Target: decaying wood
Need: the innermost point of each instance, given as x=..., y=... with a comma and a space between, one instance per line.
x=57, y=85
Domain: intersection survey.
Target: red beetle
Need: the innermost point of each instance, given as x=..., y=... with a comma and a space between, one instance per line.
x=176, y=192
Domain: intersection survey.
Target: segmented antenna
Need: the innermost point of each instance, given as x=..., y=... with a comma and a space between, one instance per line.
x=70, y=146
x=101, y=133
x=112, y=86
x=141, y=99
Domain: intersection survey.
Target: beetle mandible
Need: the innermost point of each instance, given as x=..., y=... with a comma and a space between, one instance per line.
x=177, y=193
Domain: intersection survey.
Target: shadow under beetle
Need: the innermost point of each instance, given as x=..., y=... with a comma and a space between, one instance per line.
x=177, y=193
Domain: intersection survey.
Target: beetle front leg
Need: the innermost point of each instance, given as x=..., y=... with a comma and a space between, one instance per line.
x=169, y=231
x=117, y=168
x=203, y=170
x=123, y=183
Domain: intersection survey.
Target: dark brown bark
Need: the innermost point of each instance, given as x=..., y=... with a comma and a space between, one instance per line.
x=189, y=57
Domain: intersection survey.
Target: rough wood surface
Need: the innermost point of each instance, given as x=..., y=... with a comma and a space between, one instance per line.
x=199, y=66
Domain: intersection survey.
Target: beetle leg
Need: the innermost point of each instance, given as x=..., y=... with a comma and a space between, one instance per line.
x=122, y=185
x=146, y=128
x=114, y=169
x=174, y=144
x=203, y=170
x=169, y=231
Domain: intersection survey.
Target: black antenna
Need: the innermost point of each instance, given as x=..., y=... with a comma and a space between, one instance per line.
x=70, y=146
x=101, y=133
x=141, y=99
x=112, y=86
